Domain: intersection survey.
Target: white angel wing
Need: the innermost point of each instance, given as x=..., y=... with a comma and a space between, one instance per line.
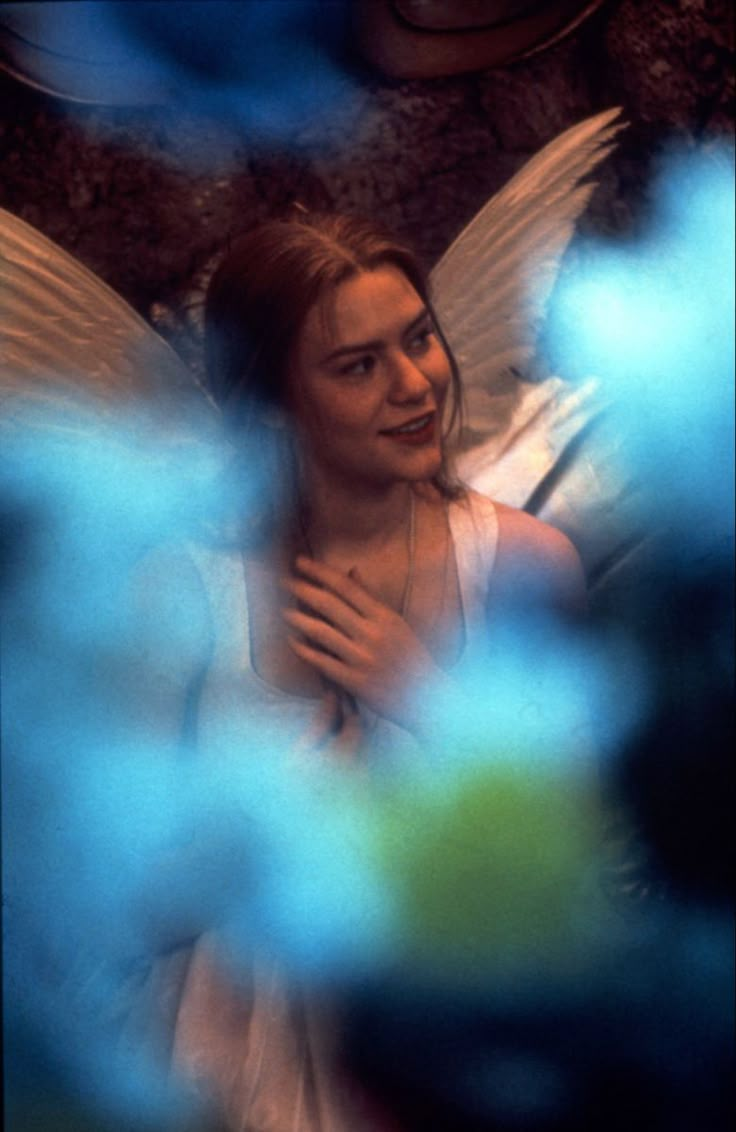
x=539, y=445
x=65, y=336
x=492, y=284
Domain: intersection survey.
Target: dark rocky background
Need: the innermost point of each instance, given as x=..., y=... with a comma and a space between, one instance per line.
x=146, y=196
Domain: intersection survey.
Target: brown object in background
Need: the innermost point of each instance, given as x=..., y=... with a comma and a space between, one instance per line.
x=420, y=39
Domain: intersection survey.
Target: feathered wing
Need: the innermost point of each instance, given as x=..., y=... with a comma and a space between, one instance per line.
x=540, y=445
x=66, y=337
x=492, y=284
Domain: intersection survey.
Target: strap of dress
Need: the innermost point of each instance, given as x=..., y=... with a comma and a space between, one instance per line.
x=474, y=530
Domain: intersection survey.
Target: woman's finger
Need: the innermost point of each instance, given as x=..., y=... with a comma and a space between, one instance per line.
x=328, y=605
x=321, y=633
x=331, y=667
x=345, y=587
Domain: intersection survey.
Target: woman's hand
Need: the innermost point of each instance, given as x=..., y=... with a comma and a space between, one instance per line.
x=359, y=643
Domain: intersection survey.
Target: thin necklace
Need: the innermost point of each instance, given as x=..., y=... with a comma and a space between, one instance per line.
x=411, y=543
x=411, y=548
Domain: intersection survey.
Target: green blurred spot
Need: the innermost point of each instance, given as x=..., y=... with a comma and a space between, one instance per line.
x=490, y=872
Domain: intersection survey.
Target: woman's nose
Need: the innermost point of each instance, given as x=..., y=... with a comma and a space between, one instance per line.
x=409, y=383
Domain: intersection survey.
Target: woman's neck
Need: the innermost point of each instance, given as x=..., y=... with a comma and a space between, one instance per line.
x=339, y=516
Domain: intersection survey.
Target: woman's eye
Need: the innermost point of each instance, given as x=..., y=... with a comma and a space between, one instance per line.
x=420, y=341
x=360, y=367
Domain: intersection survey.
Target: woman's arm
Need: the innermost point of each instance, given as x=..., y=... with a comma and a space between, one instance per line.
x=536, y=568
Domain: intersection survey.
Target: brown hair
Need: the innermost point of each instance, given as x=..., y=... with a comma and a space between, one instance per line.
x=260, y=295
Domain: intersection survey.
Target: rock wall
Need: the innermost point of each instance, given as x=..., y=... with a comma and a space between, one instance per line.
x=147, y=197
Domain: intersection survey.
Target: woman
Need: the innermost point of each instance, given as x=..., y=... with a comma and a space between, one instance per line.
x=322, y=347
x=362, y=578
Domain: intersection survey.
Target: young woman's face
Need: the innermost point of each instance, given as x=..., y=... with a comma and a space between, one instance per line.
x=368, y=381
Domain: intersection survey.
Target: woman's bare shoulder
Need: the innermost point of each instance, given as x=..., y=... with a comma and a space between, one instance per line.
x=161, y=645
x=169, y=602
x=165, y=567
x=520, y=532
x=536, y=562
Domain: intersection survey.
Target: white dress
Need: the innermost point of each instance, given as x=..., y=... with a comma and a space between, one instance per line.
x=265, y=1053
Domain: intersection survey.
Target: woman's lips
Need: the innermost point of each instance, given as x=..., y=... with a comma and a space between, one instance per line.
x=419, y=430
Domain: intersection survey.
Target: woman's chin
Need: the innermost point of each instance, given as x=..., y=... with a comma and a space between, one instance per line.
x=428, y=464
